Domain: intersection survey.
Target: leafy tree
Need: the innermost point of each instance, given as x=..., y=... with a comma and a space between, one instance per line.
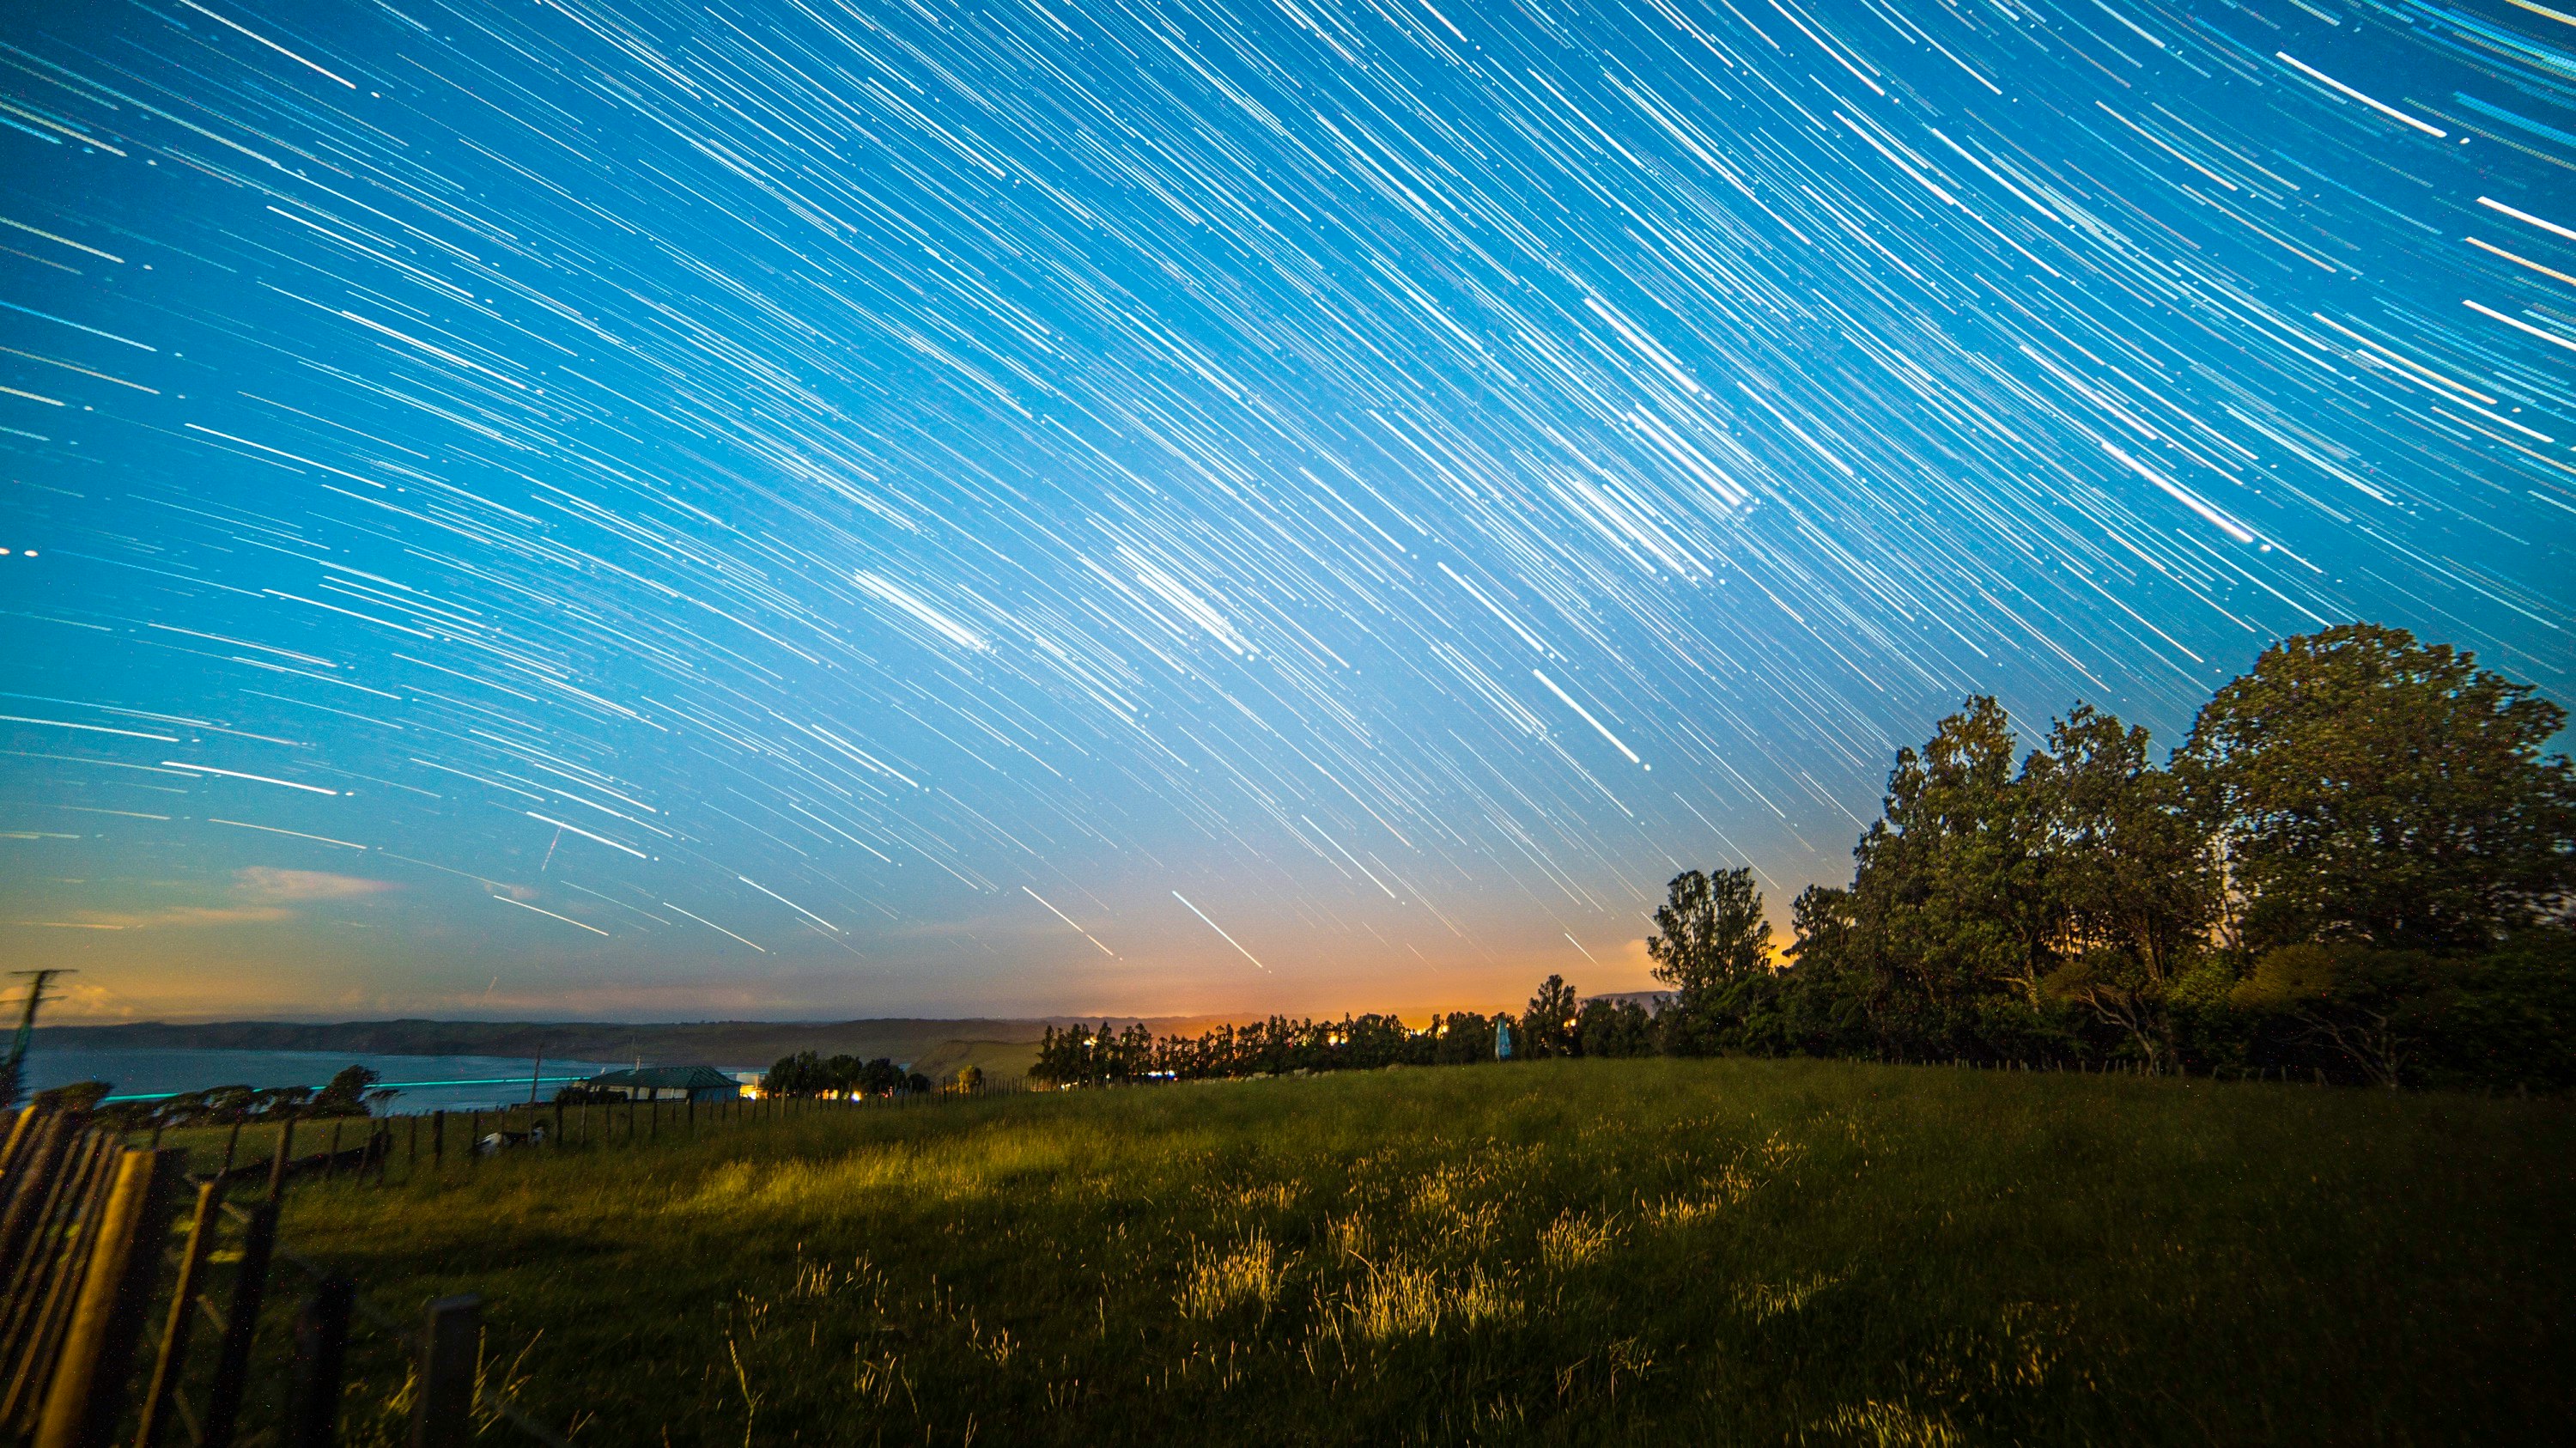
x=802, y=1074
x=1464, y=1038
x=1547, y=1027
x=2132, y=874
x=2368, y=1008
x=346, y=1094
x=1614, y=1028
x=1950, y=901
x=2511, y=1020
x=1709, y=936
x=2373, y=789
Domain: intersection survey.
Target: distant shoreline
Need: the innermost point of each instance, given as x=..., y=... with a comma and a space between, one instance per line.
x=1000, y=1045
x=618, y=1040
x=592, y=1040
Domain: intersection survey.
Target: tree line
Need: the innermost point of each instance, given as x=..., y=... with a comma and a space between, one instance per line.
x=2359, y=864
x=809, y=1074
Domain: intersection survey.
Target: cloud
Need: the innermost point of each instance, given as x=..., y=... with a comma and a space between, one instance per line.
x=259, y=882
x=168, y=917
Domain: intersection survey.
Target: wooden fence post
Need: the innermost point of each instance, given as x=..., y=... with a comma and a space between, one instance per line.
x=41, y=1159
x=43, y=1283
x=321, y=1346
x=241, y=1319
x=90, y=1390
x=277, y=1164
x=437, y=1141
x=22, y=1129
x=451, y=1337
x=175, y=1330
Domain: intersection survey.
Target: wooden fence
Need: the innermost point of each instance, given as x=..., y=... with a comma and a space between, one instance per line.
x=132, y=1291
x=104, y=1293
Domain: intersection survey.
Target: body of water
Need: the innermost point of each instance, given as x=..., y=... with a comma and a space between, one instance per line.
x=441, y=1083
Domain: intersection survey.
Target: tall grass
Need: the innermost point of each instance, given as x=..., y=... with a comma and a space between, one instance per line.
x=1647, y=1251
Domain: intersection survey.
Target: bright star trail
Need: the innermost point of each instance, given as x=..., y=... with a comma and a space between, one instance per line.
x=815, y=507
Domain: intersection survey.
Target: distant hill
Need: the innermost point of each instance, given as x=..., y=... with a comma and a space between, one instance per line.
x=999, y=1046
x=935, y=1048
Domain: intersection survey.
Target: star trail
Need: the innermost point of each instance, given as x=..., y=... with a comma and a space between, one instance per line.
x=819, y=506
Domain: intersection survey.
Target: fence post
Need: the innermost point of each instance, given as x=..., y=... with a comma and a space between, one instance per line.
x=438, y=1141
x=22, y=1129
x=90, y=1390
x=45, y=1283
x=321, y=1345
x=175, y=1331
x=43, y=1157
x=241, y=1319
x=277, y=1164
x=442, y=1414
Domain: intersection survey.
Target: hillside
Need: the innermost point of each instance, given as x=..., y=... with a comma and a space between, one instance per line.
x=1550, y=1252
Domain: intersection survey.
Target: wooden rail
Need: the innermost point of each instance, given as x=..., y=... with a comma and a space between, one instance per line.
x=85, y=1229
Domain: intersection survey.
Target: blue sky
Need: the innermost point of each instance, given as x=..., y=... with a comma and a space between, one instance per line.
x=627, y=509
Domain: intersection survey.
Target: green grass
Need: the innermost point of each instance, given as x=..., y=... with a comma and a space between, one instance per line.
x=1611, y=1251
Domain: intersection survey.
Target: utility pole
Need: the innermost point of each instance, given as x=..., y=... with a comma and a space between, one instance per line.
x=36, y=980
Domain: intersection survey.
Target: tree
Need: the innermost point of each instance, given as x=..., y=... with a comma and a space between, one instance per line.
x=2371, y=1008
x=1825, y=995
x=802, y=1074
x=2373, y=789
x=1709, y=935
x=1950, y=899
x=346, y=1095
x=1547, y=1028
x=2131, y=870
x=1613, y=1028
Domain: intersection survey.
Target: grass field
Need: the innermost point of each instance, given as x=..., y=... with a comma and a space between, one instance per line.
x=1648, y=1251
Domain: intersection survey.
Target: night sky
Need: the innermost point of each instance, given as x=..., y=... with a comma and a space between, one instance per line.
x=600, y=508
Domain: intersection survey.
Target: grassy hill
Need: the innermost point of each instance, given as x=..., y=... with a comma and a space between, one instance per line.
x=1613, y=1251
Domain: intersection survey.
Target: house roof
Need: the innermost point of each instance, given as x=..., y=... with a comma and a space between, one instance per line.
x=669, y=1078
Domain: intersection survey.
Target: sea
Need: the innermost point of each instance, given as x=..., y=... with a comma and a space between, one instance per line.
x=426, y=1083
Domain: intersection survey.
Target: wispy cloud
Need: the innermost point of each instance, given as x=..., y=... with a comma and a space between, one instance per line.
x=168, y=917
x=262, y=883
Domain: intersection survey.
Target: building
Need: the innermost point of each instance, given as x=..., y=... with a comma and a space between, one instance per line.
x=666, y=1083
